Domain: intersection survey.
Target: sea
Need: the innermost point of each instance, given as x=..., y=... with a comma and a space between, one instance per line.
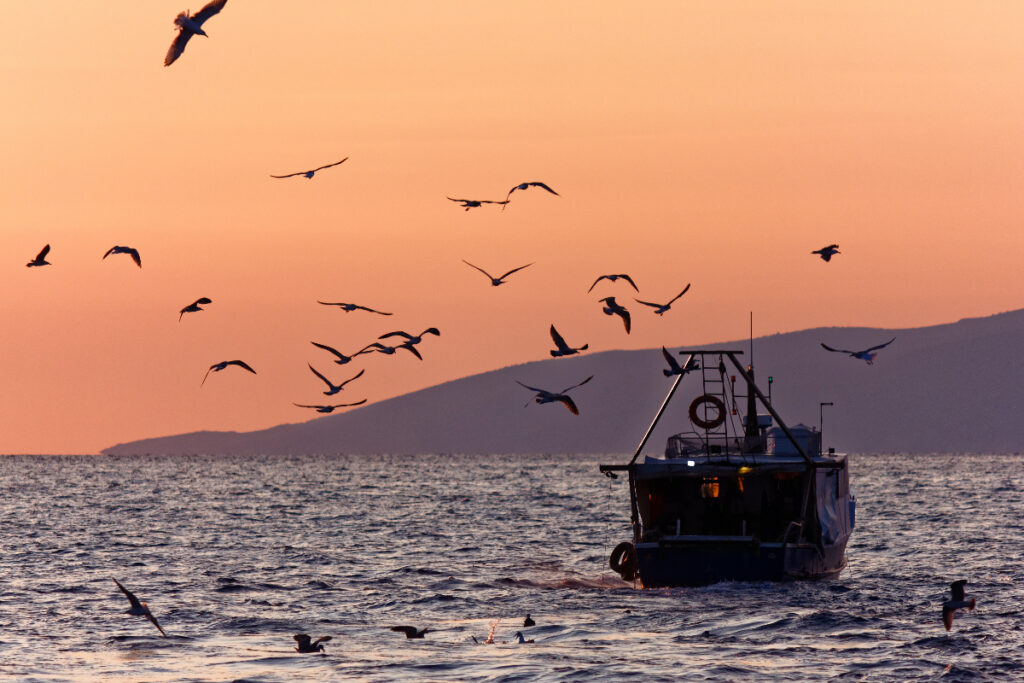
x=235, y=555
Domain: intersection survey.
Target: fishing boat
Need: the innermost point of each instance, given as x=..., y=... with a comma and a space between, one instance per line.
x=740, y=496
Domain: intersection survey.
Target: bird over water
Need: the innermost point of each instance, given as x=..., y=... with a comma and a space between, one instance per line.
x=191, y=25
x=138, y=608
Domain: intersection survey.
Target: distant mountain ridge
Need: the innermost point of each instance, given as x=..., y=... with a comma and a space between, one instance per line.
x=950, y=388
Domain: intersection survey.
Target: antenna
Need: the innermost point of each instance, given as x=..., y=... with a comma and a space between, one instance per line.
x=751, y=339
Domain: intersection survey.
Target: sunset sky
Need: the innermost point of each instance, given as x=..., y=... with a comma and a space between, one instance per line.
x=711, y=143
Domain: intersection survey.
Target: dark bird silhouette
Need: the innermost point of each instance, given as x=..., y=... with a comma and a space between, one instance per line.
x=348, y=308
x=826, y=253
x=217, y=367
x=660, y=309
x=410, y=631
x=307, y=644
x=545, y=396
x=191, y=25
x=613, y=278
x=411, y=339
x=329, y=408
x=521, y=640
x=528, y=622
x=674, y=368
x=309, y=173
x=377, y=347
x=523, y=186
x=138, y=608
x=474, y=203
x=563, y=348
x=495, y=281
x=134, y=253
x=332, y=389
x=864, y=355
x=612, y=307
x=341, y=358
x=194, y=306
x=958, y=600
x=40, y=259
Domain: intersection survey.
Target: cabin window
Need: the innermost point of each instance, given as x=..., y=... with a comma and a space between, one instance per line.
x=709, y=487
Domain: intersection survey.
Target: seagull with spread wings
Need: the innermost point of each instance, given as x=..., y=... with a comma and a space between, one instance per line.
x=191, y=25
x=545, y=396
x=612, y=307
x=131, y=251
x=195, y=306
x=332, y=388
x=309, y=174
x=826, y=253
x=348, y=308
x=563, y=349
x=865, y=355
x=958, y=600
x=330, y=408
x=674, y=367
x=307, y=644
x=474, y=203
x=613, y=278
x=139, y=608
x=495, y=281
x=40, y=259
x=342, y=359
x=217, y=367
x=660, y=309
x=523, y=186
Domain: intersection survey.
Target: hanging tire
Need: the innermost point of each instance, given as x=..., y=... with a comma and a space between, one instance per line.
x=623, y=561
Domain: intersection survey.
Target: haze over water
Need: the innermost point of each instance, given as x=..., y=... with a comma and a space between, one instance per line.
x=234, y=555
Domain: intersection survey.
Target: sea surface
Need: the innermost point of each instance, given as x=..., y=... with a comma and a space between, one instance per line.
x=234, y=555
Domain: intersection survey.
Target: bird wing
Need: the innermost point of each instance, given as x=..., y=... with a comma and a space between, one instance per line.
x=431, y=330
x=957, y=589
x=131, y=596
x=364, y=308
x=328, y=165
x=479, y=268
x=602, y=277
x=568, y=403
x=149, y=615
x=514, y=270
x=685, y=290
x=326, y=303
x=242, y=364
x=539, y=391
x=542, y=185
x=202, y=300
x=109, y=252
x=135, y=256
x=453, y=199
x=411, y=349
x=880, y=346
x=398, y=333
x=177, y=46
x=43, y=252
x=289, y=175
x=829, y=348
x=325, y=380
x=208, y=11
x=369, y=348
x=630, y=281
x=351, y=379
x=567, y=389
x=624, y=314
x=325, y=347
x=207, y=372
x=648, y=303
x=409, y=631
x=321, y=639
x=557, y=338
x=672, y=362
x=302, y=405
x=493, y=201
x=349, y=405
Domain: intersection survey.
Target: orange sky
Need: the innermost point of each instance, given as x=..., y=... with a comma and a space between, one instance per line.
x=713, y=143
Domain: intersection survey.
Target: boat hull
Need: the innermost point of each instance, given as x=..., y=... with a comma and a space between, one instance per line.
x=699, y=563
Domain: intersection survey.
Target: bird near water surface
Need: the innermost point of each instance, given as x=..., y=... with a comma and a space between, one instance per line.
x=411, y=631
x=528, y=622
x=545, y=396
x=309, y=174
x=217, y=367
x=191, y=25
x=40, y=259
x=661, y=309
x=495, y=281
x=958, y=600
x=131, y=251
x=138, y=608
x=306, y=644
x=865, y=355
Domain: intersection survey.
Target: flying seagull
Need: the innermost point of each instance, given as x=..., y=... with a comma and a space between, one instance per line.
x=474, y=203
x=826, y=253
x=410, y=631
x=545, y=396
x=410, y=339
x=495, y=281
x=134, y=253
x=674, y=368
x=949, y=607
x=194, y=306
x=864, y=355
x=348, y=308
x=660, y=309
x=190, y=25
x=563, y=348
x=307, y=644
x=613, y=278
x=523, y=186
x=332, y=389
x=612, y=307
x=309, y=174
x=138, y=608
x=342, y=358
x=217, y=367
x=40, y=259
x=330, y=408
x=389, y=350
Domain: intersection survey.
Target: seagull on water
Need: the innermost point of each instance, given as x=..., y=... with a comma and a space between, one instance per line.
x=826, y=253
x=307, y=644
x=191, y=25
x=342, y=358
x=864, y=355
x=329, y=408
x=959, y=600
x=613, y=278
x=348, y=308
x=309, y=174
x=134, y=253
x=674, y=368
x=521, y=640
x=138, y=608
x=528, y=622
x=495, y=281
x=194, y=306
x=545, y=396
x=410, y=631
x=217, y=367
x=660, y=309
x=563, y=348
x=40, y=259
x=612, y=307
x=523, y=186
x=332, y=389
x=474, y=203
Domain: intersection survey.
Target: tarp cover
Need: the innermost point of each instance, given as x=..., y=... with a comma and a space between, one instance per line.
x=833, y=509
